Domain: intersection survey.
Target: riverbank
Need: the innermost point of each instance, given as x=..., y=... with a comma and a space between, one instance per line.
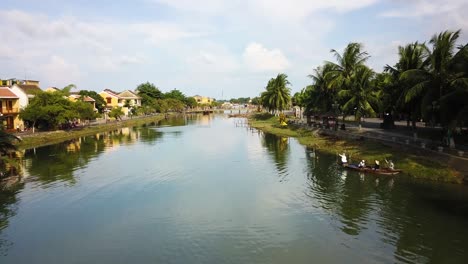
x=38, y=139
x=415, y=164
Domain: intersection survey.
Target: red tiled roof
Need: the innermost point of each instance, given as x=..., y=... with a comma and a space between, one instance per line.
x=109, y=91
x=5, y=92
x=88, y=99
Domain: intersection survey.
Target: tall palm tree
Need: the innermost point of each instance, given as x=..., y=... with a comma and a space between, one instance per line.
x=346, y=64
x=277, y=96
x=360, y=96
x=411, y=57
x=67, y=89
x=319, y=96
x=432, y=82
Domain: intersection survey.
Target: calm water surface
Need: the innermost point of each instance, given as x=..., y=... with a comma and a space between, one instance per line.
x=201, y=190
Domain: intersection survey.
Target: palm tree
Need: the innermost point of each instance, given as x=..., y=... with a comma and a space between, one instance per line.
x=432, y=82
x=360, y=96
x=277, y=96
x=66, y=90
x=352, y=58
x=319, y=96
x=7, y=142
x=411, y=57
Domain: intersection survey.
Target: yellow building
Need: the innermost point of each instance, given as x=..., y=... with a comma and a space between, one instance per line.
x=115, y=99
x=10, y=82
x=203, y=99
x=52, y=89
x=111, y=98
x=9, y=109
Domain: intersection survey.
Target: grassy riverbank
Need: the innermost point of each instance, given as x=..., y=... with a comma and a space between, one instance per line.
x=414, y=164
x=52, y=137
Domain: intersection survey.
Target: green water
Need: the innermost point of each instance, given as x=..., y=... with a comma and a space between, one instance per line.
x=203, y=190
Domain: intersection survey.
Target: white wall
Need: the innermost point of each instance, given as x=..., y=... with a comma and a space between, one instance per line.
x=23, y=97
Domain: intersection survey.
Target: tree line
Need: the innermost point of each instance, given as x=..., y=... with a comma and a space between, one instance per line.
x=428, y=82
x=49, y=111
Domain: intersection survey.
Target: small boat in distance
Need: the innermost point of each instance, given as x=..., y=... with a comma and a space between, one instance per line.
x=381, y=171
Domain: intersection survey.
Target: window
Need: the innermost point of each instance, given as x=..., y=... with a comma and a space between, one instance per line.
x=9, y=105
x=109, y=100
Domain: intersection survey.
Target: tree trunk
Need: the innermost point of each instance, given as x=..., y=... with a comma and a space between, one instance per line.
x=34, y=126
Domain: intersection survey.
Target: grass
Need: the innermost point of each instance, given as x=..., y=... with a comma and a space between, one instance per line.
x=410, y=161
x=52, y=137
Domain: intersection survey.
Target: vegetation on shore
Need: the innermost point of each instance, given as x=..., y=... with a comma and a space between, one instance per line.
x=429, y=82
x=53, y=137
x=413, y=165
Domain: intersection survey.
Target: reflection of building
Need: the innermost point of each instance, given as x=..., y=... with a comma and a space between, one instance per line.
x=9, y=109
x=203, y=100
x=126, y=99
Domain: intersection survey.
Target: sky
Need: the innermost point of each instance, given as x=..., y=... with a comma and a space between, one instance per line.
x=220, y=49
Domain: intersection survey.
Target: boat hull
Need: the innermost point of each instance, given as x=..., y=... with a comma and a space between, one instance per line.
x=382, y=171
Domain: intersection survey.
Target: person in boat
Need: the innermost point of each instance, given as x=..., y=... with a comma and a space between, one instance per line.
x=390, y=164
x=362, y=164
x=377, y=165
x=344, y=160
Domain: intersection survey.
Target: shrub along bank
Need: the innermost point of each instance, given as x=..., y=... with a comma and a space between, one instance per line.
x=412, y=163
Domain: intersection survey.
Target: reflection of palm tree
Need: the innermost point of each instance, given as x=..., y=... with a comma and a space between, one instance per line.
x=278, y=149
x=8, y=209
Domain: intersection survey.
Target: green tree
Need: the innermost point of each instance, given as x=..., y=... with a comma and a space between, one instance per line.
x=148, y=93
x=360, y=97
x=116, y=113
x=175, y=94
x=319, y=96
x=411, y=57
x=85, y=110
x=341, y=73
x=7, y=142
x=433, y=84
x=191, y=102
x=99, y=101
x=49, y=110
x=277, y=96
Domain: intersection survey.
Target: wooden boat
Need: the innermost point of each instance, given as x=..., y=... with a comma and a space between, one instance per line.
x=381, y=171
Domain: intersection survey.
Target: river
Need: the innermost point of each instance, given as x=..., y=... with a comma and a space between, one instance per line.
x=202, y=190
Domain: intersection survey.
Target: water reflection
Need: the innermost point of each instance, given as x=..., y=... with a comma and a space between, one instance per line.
x=278, y=149
x=58, y=162
x=8, y=208
x=190, y=191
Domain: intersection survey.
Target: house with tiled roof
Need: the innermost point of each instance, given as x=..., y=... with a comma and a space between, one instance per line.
x=30, y=89
x=9, y=109
x=75, y=97
x=126, y=99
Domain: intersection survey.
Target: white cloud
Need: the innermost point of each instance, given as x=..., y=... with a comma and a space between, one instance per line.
x=157, y=33
x=418, y=8
x=60, y=72
x=298, y=9
x=292, y=9
x=259, y=58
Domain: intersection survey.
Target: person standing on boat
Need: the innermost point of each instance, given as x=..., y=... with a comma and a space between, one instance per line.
x=377, y=165
x=344, y=160
x=390, y=164
x=362, y=164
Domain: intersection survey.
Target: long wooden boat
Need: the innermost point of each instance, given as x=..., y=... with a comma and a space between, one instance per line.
x=381, y=171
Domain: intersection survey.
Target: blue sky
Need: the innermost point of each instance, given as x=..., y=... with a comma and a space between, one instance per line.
x=206, y=47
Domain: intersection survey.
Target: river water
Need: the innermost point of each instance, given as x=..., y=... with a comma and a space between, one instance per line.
x=202, y=190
